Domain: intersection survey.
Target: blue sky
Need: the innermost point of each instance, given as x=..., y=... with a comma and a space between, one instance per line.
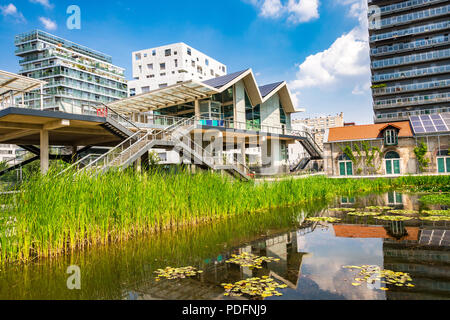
x=318, y=46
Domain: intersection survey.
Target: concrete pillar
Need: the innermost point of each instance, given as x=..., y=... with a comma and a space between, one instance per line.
x=197, y=109
x=44, y=144
x=243, y=149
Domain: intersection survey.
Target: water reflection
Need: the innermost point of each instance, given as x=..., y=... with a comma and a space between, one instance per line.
x=311, y=258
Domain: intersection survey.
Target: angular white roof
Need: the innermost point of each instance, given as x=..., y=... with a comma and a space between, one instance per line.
x=17, y=84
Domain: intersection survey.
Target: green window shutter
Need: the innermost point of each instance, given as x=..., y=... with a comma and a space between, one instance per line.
x=448, y=164
x=388, y=167
x=342, y=168
x=349, y=168
x=391, y=197
x=399, y=198
x=396, y=166
x=441, y=165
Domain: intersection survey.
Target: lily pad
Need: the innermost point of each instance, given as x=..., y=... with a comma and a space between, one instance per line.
x=395, y=218
x=170, y=273
x=365, y=214
x=254, y=287
x=323, y=219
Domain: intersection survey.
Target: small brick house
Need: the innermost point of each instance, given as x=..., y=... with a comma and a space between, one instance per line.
x=385, y=149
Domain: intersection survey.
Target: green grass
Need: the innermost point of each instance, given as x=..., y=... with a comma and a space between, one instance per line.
x=60, y=214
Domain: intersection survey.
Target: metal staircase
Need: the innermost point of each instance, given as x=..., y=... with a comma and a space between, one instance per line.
x=301, y=165
x=176, y=137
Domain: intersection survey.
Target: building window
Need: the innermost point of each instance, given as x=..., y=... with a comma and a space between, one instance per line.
x=391, y=137
x=345, y=166
x=207, y=62
x=145, y=89
x=392, y=161
x=150, y=66
x=138, y=56
x=163, y=85
x=168, y=53
x=189, y=52
x=395, y=198
x=283, y=117
x=162, y=66
x=154, y=53
x=193, y=63
x=176, y=63
x=443, y=162
x=132, y=92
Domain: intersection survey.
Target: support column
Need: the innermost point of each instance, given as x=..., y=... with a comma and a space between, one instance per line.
x=197, y=109
x=44, y=151
x=243, y=153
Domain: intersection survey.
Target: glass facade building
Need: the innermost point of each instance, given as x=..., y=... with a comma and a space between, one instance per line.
x=410, y=58
x=76, y=76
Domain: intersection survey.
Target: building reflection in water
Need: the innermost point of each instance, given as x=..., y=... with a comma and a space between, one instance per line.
x=287, y=247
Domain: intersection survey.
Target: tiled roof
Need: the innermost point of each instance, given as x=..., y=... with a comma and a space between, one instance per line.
x=219, y=82
x=268, y=88
x=367, y=132
x=363, y=232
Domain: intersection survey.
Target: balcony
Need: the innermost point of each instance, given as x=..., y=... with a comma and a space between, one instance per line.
x=412, y=101
x=401, y=116
x=406, y=5
x=420, y=72
x=410, y=31
x=415, y=16
x=84, y=87
x=411, y=59
x=409, y=46
x=411, y=87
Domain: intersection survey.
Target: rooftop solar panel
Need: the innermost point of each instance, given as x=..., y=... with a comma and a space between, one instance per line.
x=431, y=123
x=221, y=81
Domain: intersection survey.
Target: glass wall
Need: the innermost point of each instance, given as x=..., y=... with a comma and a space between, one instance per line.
x=252, y=114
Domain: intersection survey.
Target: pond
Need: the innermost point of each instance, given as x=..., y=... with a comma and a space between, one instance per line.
x=312, y=257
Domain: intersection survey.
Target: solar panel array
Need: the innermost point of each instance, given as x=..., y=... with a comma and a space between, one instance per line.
x=435, y=123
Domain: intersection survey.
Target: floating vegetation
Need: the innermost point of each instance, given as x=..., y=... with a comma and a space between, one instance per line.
x=437, y=212
x=364, y=214
x=323, y=219
x=177, y=273
x=250, y=260
x=435, y=218
x=378, y=208
x=254, y=287
x=343, y=209
x=394, y=218
x=404, y=212
x=372, y=274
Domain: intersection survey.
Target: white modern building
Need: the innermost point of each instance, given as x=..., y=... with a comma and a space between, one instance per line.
x=7, y=152
x=75, y=76
x=171, y=64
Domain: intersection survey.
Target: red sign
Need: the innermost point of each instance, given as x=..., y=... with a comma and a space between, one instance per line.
x=103, y=112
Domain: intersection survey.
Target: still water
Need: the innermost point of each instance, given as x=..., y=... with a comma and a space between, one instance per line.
x=312, y=256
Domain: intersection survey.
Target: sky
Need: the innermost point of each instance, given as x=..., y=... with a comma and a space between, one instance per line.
x=319, y=47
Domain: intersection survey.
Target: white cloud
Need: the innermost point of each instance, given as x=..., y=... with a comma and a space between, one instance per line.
x=303, y=10
x=45, y=3
x=296, y=11
x=11, y=10
x=345, y=61
x=48, y=24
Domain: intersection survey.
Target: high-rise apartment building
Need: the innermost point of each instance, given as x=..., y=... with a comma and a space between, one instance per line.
x=76, y=75
x=168, y=65
x=410, y=57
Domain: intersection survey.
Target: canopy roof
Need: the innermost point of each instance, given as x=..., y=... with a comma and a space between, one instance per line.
x=193, y=90
x=17, y=84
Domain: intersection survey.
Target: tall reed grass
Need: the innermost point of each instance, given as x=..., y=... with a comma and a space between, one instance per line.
x=59, y=214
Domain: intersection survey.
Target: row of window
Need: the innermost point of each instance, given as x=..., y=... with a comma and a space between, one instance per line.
x=404, y=5
x=411, y=73
x=407, y=114
x=411, y=58
x=410, y=31
x=410, y=45
x=413, y=16
x=414, y=100
x=412, y=87
x=392, y=164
